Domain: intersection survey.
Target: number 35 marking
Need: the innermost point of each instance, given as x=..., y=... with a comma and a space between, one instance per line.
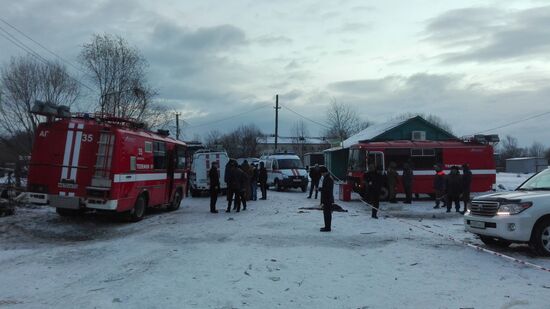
x=87, y=138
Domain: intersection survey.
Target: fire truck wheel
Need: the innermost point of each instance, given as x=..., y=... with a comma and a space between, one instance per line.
x=384, y=194
x=68, y=212
x=175, y=202
x=136, y=214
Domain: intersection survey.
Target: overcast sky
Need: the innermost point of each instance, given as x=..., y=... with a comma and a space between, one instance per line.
x=476, y=64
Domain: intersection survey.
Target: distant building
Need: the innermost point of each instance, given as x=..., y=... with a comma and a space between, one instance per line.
x=526, y=165
x=299, y=146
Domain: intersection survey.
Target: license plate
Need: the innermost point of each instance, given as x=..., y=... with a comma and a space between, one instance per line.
x=297, y=180
x=477, y=224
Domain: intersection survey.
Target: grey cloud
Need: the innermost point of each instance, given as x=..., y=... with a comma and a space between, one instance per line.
x=486, y=34
x=351, y=28
x=272, y=39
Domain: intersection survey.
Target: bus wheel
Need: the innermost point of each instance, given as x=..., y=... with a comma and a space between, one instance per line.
x=136, y=214
x=175, y=202
x=63, y=212
x=384, y=194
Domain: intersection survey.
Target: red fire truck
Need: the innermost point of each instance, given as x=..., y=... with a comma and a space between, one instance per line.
x=423, y=156
x=107, y=164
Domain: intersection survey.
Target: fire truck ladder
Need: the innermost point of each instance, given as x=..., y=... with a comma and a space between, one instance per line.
x=102, y=173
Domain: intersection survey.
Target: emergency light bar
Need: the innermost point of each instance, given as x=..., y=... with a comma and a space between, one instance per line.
x=49, y=109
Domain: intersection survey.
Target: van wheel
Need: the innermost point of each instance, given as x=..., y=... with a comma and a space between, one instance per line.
x=540, y=239
x=495, y=242
x=175, y=202
x=278, y=186
x=304, y=188
x=195, y=193
x=137, y=213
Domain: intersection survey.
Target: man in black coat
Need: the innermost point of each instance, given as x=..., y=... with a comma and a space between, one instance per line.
x=244, y=186
x=233, y=185
x=214, y=177
x=374, y=181
x=315, y=175
x=466, y=185
x=327, y=199
x=262, y=178
x=453, y=186
x=439, y=186
x=407, y=180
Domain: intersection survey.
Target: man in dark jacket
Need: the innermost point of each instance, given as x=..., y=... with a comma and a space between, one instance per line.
x=327, y=199
x=233, y=185
x=214, y=177
x=262, y=178
x=315, y=175
x=466, y=185
x=453, y=186
x=407, y=180
x=374, y=181
x=244, y=186
x=254, y=182
x=439, y=186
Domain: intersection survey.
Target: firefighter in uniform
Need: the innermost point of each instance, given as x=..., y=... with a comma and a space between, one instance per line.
x=214, y=177
x=327, y=199
x=393, y=179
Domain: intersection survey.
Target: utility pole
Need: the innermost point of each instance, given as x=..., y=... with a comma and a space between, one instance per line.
x=178, y=126
x=277, y=108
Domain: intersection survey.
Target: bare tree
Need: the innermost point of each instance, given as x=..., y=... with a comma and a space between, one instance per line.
x=213, y=139
x=243, y=142
x=299, y=134
x=119, y=72
x=536, y=150
x=343, y=121
x=25, y=80
x=433, y=119
x=509, y=149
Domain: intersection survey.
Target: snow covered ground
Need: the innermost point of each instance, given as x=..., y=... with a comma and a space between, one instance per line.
x=270, y=256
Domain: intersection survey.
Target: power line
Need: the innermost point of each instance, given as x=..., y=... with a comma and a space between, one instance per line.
x=10, y=37
x=227, y=118
x=44, y=47
x=306, y=118
x=514, y=122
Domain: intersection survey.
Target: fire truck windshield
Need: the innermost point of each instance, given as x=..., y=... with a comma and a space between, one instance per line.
x=289, y=164
x=357, y=160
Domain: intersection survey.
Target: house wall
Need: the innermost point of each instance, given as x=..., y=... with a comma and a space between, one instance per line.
x=527, y=165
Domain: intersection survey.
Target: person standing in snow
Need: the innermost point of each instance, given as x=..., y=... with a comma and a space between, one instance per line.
x=407, y=181
x=466, y=185
x=254, y=182
x=262, y=178
x=214, y=177
x=393, y=179
x=453, y=186
x=374, y=181
x=439, y=186
x=315, y=175
x=233, y=185
x=327, y=199
x=244, y=186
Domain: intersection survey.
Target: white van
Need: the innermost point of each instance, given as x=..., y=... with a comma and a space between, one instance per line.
x=285, y=170
x=202, y=161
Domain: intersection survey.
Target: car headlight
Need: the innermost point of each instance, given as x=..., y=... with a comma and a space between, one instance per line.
x=513, y=208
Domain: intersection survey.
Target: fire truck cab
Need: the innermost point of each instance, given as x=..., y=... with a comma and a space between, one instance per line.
x=107, y=164
x=422, y=157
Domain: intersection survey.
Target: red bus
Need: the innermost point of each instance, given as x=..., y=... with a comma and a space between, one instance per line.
x=107, y=164
x=423, y=156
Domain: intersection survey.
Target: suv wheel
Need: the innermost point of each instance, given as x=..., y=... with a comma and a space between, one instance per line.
x=278, y=186
x=540, y=239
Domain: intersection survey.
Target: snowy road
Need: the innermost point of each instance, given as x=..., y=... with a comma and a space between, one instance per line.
x=270, y=256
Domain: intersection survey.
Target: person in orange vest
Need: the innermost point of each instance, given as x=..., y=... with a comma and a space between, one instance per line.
x=439, y=186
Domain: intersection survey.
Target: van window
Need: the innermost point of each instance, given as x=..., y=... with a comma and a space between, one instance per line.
x=285, y=164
